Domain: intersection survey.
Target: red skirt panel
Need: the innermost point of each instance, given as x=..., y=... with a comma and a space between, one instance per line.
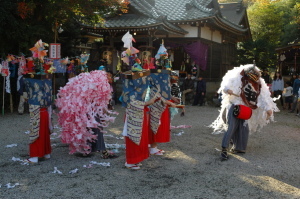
x=137, y=153
x=163, y=134
x=42, y=145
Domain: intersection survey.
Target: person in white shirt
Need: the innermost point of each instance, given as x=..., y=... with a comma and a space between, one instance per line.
x=278, y=86
x=288, y=96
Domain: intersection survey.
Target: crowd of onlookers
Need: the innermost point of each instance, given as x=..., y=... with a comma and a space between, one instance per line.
x=288, y=90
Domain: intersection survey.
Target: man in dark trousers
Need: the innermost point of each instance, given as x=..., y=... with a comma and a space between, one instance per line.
x=200, y=92
x=188, y=86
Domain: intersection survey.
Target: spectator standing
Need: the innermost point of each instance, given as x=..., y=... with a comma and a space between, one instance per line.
x=296, y=87
x=288, y=96
x=278, y=86
x=293, y=78
x=188, y=86
x=200, y=92
x=266, y=76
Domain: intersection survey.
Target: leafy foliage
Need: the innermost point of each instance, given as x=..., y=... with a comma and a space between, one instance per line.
x=273, y=23
x=23, y=22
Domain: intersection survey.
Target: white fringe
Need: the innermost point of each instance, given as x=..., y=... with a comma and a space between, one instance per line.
x=232, y=81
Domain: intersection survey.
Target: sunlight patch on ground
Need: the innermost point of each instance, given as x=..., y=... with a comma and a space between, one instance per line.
x=180, y=155
x=270, y=184
x=116, y=131
x=240, y=158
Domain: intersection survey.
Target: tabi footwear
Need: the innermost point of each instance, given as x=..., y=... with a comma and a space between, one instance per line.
x=155, y=151
x=132, y=166
x=33, y=160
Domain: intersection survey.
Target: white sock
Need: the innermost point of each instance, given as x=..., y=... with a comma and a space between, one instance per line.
x=47, y=156
x=34, y=159
x=153, y=150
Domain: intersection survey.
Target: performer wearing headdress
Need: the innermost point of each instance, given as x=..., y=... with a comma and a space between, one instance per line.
x=243, y=89
x=136, y=124
x=39, y=100
x=159, y=111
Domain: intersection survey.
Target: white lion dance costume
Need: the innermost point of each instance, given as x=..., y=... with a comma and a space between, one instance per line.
x=243, y=86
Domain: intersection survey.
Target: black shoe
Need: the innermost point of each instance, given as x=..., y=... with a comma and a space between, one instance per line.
x=224, y=155
x=233, y=151
x=108, y=155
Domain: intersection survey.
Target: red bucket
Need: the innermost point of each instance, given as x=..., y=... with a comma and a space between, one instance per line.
x=242, y=112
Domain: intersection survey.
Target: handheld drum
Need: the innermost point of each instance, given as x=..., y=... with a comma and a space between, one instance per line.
x=242, y=112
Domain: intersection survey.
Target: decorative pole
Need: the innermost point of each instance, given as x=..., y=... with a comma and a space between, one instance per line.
x=55, y=30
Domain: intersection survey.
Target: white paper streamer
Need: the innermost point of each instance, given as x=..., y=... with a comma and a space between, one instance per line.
x=88, y=166
x=115, y=146
x=11, y=145
x=179, y=134
x=23, y=162
x=56, y=171
x=10, y=185
x=105, y=164
x=73, y=171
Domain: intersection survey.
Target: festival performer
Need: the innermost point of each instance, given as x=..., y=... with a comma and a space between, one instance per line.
x=39, y=90
x=83, y=108
x=39, y=100
x=243, y=90
x=175, y=94
x=159, y=111
x=136, y=124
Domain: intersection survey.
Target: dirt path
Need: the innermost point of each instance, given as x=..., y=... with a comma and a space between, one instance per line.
x=191, y=167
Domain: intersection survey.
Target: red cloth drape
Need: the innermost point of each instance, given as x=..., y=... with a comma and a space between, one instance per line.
x=163, y=133
x=137, y=153
x=42, y=145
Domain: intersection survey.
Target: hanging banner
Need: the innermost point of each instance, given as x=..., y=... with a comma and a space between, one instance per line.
x=54, y=51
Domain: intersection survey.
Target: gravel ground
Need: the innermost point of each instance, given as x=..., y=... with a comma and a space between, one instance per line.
x=191, y=167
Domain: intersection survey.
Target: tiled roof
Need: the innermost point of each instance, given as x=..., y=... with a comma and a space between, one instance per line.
x=163, y=14
x=233, y=12
x=129, y=20
x=175, y=10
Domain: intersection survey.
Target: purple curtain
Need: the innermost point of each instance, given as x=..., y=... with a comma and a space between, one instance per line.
x=198, y=53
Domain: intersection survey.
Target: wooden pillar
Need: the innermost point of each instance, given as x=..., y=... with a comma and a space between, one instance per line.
x=210, y=64
x=150, y=38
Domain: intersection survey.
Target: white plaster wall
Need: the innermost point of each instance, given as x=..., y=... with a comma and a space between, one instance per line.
x=205, y=33
x=193, y=30
x=217, y=37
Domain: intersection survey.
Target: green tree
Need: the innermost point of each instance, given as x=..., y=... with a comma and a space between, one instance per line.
x=23, y=22
x=259, y=50
x=266, y=20
x=291, y=21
